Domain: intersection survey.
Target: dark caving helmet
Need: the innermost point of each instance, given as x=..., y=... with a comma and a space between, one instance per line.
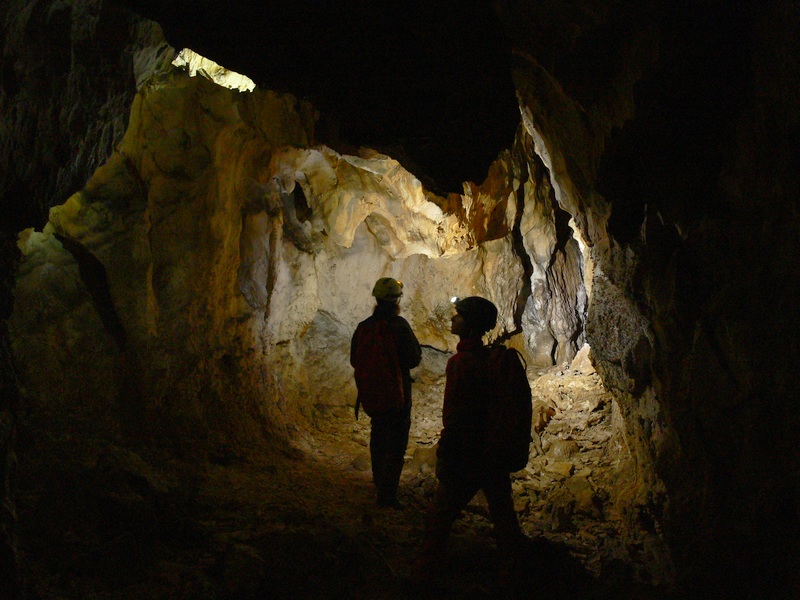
x=388, y=289
x=478, y=312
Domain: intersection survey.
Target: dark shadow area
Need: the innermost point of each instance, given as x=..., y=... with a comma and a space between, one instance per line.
x=668, y=157
x=99, y=520
x=427, y=83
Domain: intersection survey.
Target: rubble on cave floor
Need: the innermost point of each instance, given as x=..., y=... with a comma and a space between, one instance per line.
x=564, y=497
x=305, y=525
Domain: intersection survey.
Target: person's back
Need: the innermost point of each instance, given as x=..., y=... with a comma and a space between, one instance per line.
x=409, y=353
x=391, y=418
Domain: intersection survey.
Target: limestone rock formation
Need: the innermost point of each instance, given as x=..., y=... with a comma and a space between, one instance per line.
x=219, y=248
x=206, y=246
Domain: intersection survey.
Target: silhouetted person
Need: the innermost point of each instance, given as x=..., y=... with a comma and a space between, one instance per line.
x=383, y=350
x=462, y=465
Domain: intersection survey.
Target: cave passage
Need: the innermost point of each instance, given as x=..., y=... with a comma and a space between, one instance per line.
x=620, y=179
x=239, y=256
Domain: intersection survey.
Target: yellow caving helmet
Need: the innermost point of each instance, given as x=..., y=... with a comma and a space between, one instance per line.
x=387, y=288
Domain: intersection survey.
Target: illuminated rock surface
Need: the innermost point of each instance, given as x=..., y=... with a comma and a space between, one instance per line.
x=230, y=247
x=225, y=264
x=182, y=321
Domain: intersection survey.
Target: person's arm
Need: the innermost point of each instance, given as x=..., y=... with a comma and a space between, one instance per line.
x=353, y=347
x=409, y=353
x=451, y=441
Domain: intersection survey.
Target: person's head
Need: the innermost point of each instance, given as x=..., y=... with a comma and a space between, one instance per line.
x=474, y=316
x=387, y=291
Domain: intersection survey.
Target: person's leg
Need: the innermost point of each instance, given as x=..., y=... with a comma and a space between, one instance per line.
x=497, y=490
x=388, y=443
x=377, y=453
x=448, y=501
x=396, y=444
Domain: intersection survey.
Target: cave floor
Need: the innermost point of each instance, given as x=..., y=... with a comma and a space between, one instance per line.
x=299, y=524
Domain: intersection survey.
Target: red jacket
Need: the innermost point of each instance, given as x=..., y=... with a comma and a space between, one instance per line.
x=462, y=444
x=409, y=353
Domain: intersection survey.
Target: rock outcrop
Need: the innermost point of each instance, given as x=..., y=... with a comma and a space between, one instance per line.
x=225, y=244
x=219, y=248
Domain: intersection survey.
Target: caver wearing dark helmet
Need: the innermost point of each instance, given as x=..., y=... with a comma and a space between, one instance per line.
x=479, y=313
x=463, y=467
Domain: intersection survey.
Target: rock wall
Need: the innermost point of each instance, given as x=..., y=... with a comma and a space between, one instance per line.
x=69, y=74
x=210, y=274
x=660, y=129
x=666, y=131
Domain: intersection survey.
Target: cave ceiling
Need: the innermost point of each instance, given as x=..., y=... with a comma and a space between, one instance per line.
x=426, y=83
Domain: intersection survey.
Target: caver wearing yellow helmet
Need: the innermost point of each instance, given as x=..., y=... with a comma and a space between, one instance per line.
x=387, y=289
x=383, y=351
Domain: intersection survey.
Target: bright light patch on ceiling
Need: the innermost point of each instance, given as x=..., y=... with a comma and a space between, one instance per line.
x=195, y=64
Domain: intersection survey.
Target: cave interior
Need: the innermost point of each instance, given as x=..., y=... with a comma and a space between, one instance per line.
x=198, y=196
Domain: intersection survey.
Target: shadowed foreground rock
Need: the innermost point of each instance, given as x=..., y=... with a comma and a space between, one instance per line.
x=187, y=302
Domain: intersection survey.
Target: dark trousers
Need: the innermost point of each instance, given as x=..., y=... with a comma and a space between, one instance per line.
x=452, y=496
x=387, y=446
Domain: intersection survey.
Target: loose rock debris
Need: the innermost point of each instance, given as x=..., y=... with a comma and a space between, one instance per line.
x=102, y=523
